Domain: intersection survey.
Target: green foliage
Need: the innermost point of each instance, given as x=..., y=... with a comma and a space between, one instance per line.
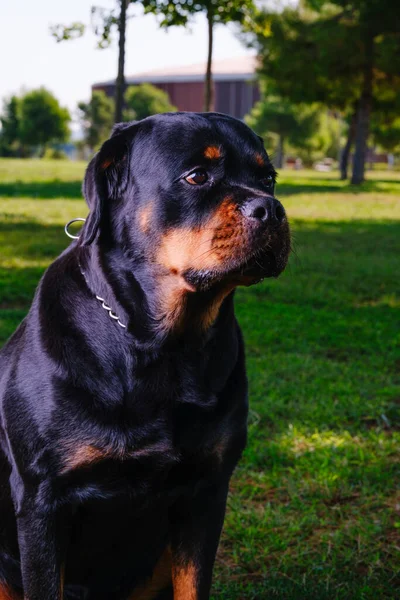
x=54, y=154
x=96, y=118
x=31, y=122
x=144, y=100
x=9, y=134
x=275, y=115
x=313, y=507
x=41, y=119
x=307, y=58
x=180, y=12
x=67, y=32
x=386, y=132
x=307, y=129
x=343, y=54
x=318, y=136
x=103, y=22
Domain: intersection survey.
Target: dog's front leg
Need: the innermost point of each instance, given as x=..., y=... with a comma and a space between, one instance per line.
x=42, y=544
x=196, y=528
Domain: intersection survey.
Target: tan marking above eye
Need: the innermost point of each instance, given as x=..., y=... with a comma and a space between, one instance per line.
x=259, y=159
x=212, y=152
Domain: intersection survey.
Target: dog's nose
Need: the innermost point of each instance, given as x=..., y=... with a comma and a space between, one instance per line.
x=264, y=209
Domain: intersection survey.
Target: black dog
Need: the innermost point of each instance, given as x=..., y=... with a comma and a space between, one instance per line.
x=123, y=393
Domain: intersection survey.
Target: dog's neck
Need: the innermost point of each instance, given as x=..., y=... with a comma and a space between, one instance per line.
x=156, y=307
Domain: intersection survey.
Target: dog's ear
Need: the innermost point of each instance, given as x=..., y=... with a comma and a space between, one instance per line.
x=106, y=178
x=118, y=127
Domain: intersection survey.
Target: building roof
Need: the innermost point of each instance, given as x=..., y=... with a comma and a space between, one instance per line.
x=241, y=68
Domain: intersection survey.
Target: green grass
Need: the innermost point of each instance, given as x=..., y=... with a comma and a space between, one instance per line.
x=314, y=508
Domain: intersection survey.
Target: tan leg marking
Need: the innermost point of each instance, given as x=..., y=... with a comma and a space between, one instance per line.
x=161, y=578
x=185, y=582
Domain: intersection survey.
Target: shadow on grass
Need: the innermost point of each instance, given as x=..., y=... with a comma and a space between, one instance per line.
x=27, y=248
x=72, y=189
x=30, y=240
x=42, y=190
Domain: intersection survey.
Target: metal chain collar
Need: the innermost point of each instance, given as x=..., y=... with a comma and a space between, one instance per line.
x=103, y=302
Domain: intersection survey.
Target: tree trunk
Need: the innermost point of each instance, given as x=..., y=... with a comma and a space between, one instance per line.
x=120, y=82
x=345, y=154
x=280, y=153
x=208, y=83
x=363, y=117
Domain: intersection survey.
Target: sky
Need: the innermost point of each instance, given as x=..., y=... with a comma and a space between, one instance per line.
x=32, y=58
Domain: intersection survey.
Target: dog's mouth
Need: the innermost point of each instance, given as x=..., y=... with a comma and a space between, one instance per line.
x=259, y=265
x=239, y=253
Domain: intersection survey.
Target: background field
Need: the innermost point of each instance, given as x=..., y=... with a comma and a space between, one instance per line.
x=314, y=509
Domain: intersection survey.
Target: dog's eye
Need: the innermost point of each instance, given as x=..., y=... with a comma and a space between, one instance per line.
x=268, y=180
x=197, y=177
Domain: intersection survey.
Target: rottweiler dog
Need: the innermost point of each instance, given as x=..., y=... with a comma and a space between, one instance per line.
x=123, y=393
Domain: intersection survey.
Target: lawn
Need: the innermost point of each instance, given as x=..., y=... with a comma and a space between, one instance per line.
x=314, y=508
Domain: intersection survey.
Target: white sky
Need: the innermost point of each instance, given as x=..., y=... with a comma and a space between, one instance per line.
x=30, y=57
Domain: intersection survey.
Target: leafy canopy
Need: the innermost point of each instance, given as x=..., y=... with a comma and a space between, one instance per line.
x=144, y=100
x=96, y=118
x=179, y=12
x=42, y=119
x=307, y=129
x=318, y=52
x=10, y=125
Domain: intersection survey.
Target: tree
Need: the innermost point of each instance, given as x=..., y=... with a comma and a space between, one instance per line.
x=342, y=53
x=274, y=115
x=295, y=64
x=305, y=128
x=9, y=135
x=179, y=12
x=104, y=21
x=144, y=100
x=42, y=120
x=385, y=129
x=96, y=117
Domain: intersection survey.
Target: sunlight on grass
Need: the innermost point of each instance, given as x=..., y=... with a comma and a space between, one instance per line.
x=342, y=208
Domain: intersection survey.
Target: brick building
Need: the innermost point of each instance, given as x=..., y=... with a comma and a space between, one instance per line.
x=235, y=88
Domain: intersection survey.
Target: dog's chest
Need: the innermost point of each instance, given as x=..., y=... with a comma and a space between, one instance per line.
x=173, y=447
x=173, y=431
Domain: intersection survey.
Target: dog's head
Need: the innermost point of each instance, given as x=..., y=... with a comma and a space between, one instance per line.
x=194, y=193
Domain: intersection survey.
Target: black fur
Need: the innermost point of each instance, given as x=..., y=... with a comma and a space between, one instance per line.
x=116, y=444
